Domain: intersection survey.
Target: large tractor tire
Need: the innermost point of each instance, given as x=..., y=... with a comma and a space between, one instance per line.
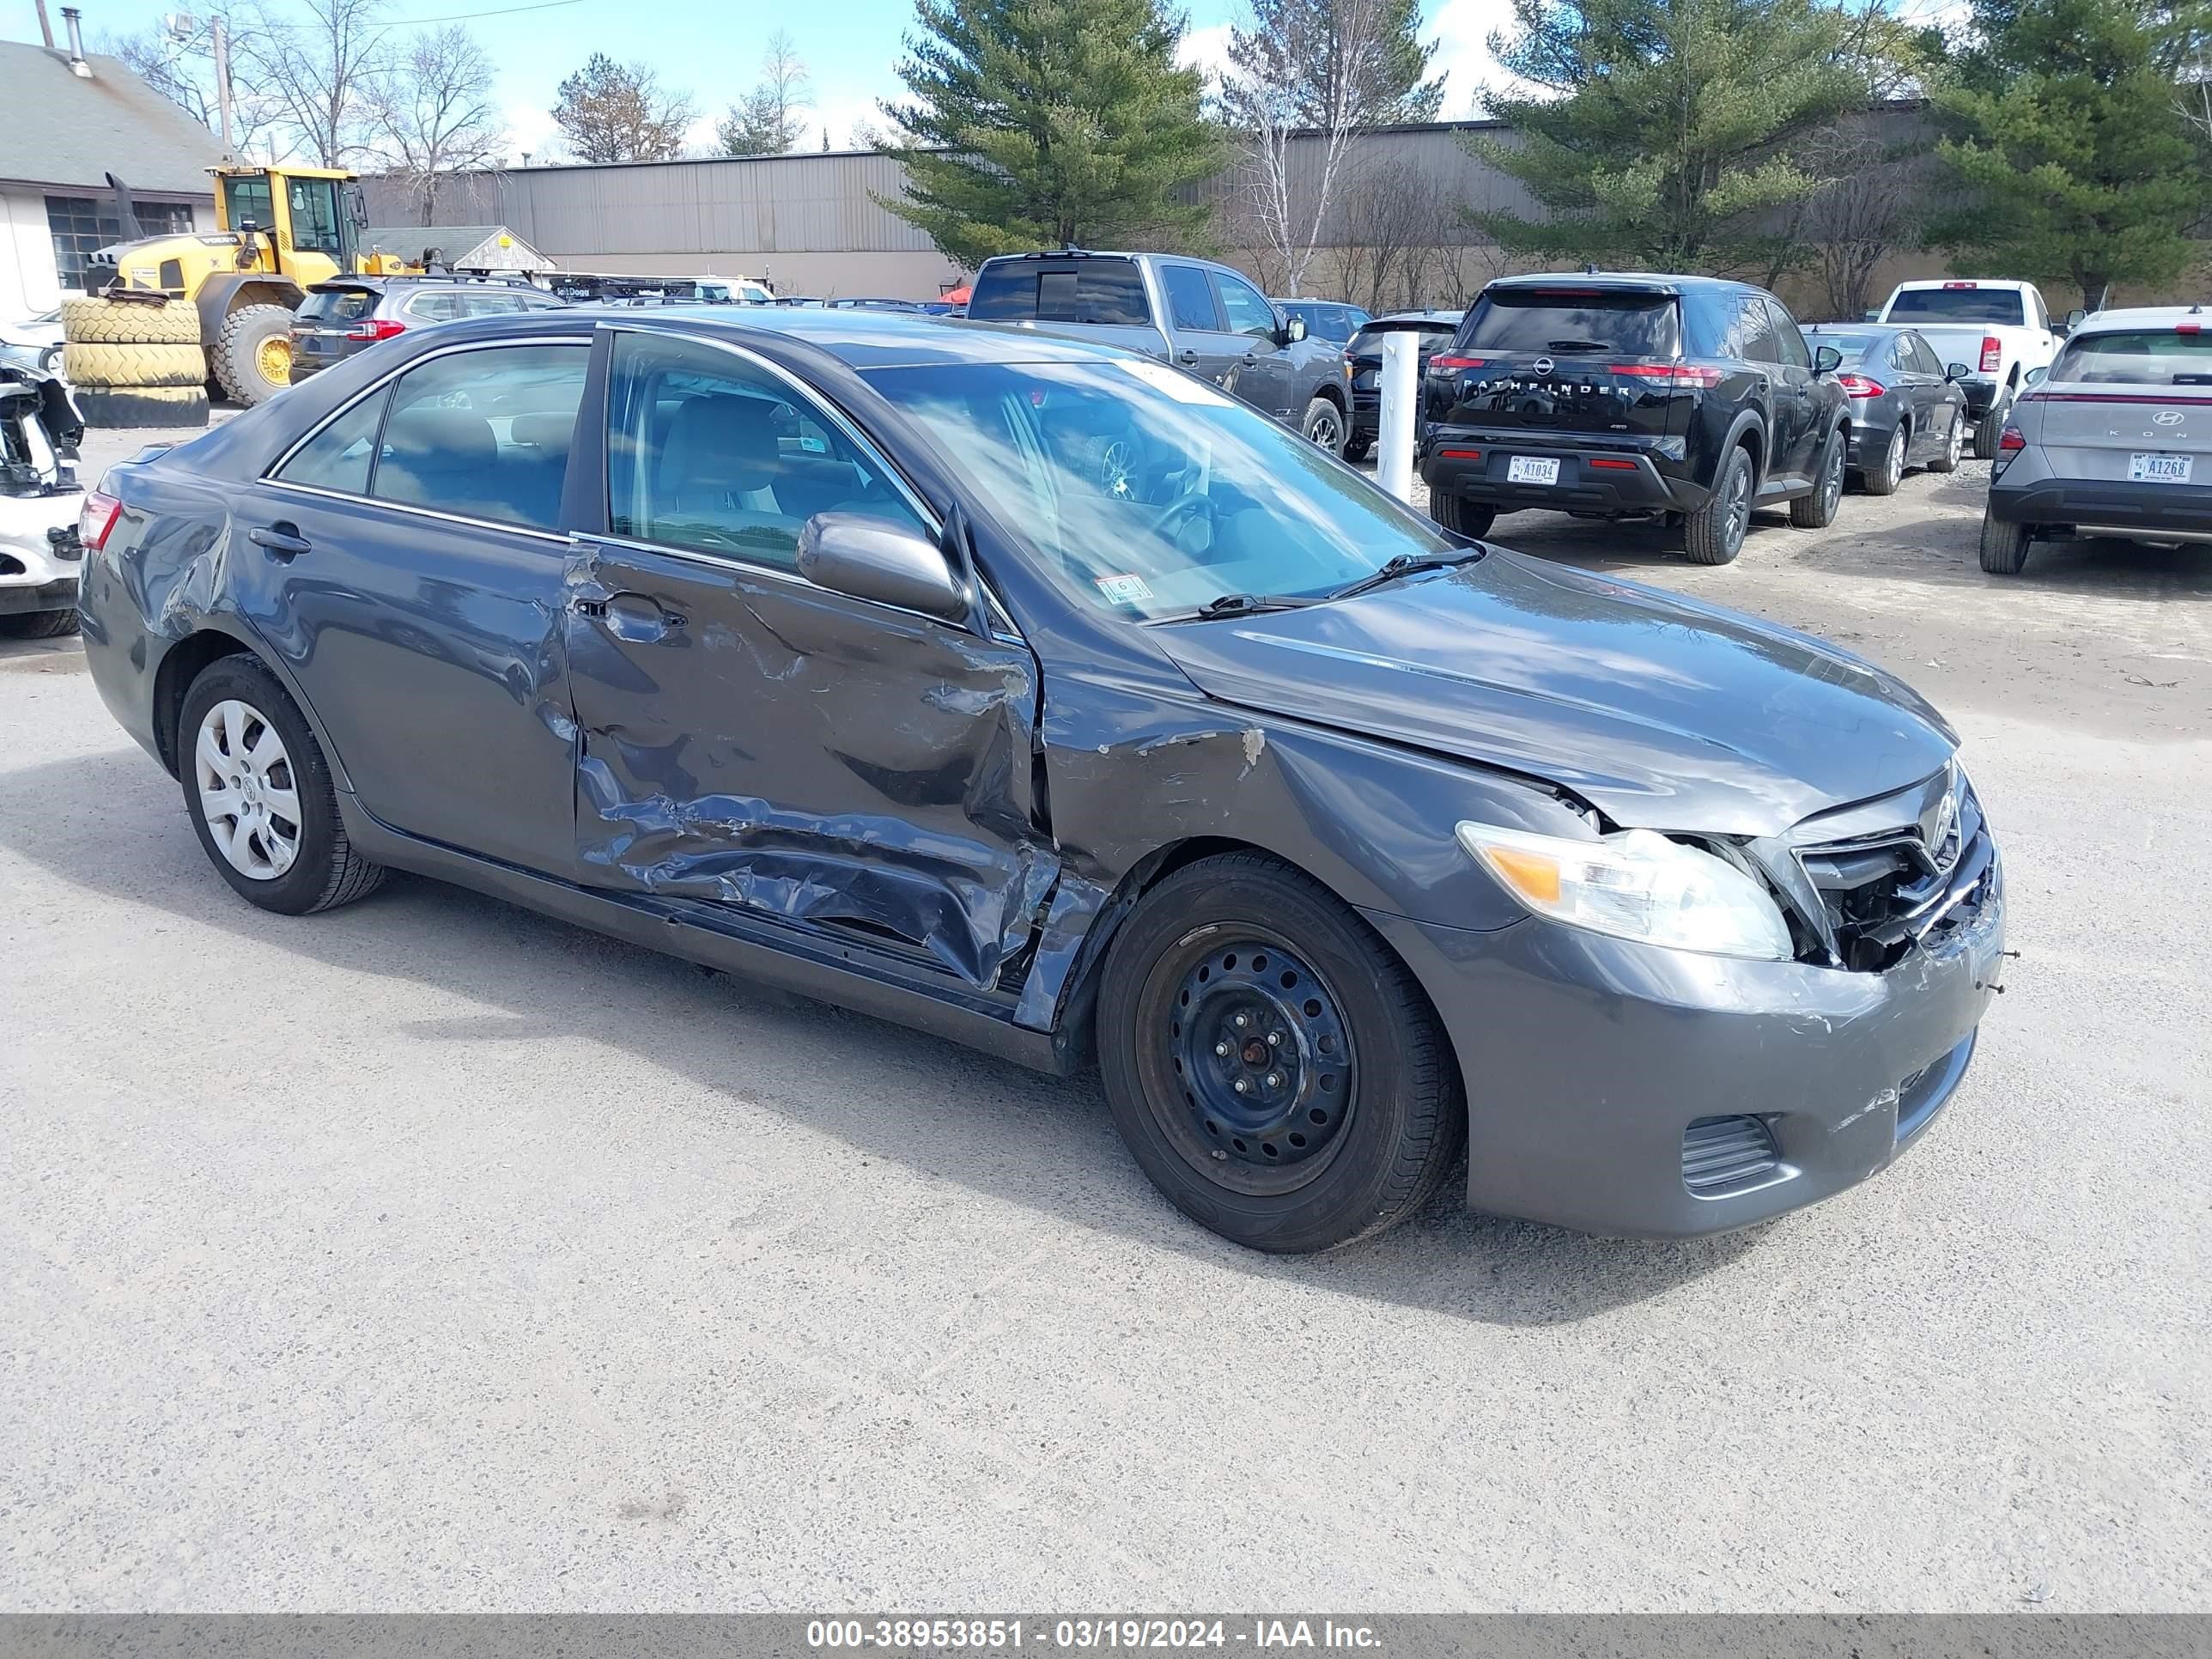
x=123, y=407
x=118, y=322
x=86, y=364
x=252, y=356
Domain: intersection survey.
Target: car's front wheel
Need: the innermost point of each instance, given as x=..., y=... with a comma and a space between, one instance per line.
x=2005, y=546
x=260, y=793
x=1324, y=425
x=1274, y=1068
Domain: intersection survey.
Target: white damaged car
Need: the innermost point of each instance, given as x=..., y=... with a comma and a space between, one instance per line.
x=40, y=500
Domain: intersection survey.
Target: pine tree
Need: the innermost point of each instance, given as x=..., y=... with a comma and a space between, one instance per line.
x=1041, y=123
x=2073, y=150
x=1661, y=132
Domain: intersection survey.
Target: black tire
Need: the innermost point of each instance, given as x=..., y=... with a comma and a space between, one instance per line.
x=1455, y=514
x=325, y=872
x=1714, y=533
x=1377, y=1116
x=1954, y=444
x=124, y=408
x=1817, y=510
x=1883, y=477
x=1358, y=449
x=1325, y=425
x=1991, y=427
x=240, y=367
x=2005, y=546
x=38, y=625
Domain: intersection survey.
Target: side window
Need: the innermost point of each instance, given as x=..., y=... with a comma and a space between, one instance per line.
x=314, y=205
x=707, y=451
x=338, y=457
x=1788, y=342
x=1901, y=356
x=1247, y=311
x=434, y=305
x=1755, y=334
x=484, y=433
x=1924, y=357
x=1190, y=297
x=2037, y=316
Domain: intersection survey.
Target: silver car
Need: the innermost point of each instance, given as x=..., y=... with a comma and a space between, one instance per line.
x=2117, y=440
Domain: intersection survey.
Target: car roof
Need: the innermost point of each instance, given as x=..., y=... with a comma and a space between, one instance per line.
x=2142, y=317
x=2011, y=283
x=857, y=336
x=1844, y=326
x=1649, y=281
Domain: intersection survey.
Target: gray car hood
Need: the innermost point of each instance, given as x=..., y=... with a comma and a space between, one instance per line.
x=1663, y=713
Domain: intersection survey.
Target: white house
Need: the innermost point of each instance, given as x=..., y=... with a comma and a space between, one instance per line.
x=67, y=119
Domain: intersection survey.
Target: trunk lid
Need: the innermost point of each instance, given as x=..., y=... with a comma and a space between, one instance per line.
x=1603, y=359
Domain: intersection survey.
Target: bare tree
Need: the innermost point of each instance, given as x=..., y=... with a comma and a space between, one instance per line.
x=1292, y=135
x=612, y=111
x=1390, y=231
x=1868, y=207
x=181, y=67
x=433, y=114
x=770, y=118
x=315, y=72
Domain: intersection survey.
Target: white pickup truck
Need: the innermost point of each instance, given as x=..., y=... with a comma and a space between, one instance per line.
x=1997, y=331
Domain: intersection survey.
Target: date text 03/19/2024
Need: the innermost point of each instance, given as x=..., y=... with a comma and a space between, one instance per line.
x=1109, y=1634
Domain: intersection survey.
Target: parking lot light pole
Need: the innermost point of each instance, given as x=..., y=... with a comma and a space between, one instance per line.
x=1394, y=459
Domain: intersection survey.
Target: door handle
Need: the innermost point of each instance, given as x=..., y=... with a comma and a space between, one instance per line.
x=283, y=541
x=1186, y=356
x=637, y=617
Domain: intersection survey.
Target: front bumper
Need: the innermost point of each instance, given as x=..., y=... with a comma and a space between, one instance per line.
x=2146, y=509
x=40, y=558
x=1587, y=1058
x=1612, y=481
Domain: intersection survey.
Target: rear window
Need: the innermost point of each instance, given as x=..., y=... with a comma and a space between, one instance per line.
x=1968, y=304
x=2137, y=357
x=1852, y=346
x=1106, y=291
x=1430, y=337
x=1573, y=320
x=343, y=305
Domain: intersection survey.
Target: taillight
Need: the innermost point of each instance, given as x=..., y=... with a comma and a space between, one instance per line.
x=95, y=519
x=378, y=328
x=1857, y=385
x=2010, y=439
x=1671, y=376
x=1992, y=354
x=1459, y=362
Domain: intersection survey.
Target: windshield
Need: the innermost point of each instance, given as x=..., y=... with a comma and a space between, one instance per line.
x=1963, y=304
x=1148, y=491
x=1564, y=319
x=2137, y=357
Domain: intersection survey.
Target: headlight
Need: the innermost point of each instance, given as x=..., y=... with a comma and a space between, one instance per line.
x=1638, y=885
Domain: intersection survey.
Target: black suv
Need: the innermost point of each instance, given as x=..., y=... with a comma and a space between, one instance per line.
x=351, y=313
x=1622, y=395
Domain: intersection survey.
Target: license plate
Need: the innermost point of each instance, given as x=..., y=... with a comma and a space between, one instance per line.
x=2160, y=469
x=1528, y=469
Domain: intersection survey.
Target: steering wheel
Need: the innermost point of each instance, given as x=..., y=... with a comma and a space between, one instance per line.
x=1188, y=502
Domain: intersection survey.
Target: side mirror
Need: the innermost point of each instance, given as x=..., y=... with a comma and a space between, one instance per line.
x=1956, y=371
x=2035, y=377
x=1872, y=315
x=1294, y=331
x=357, y=207
x=870, y=558
x=1827, y=359
x=2076, y=317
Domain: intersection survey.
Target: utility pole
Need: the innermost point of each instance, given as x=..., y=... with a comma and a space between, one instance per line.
x=222, y=77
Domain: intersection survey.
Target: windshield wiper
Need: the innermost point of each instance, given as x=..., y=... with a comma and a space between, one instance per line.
x=1246, y=604
x=1578, y=345
x=1407, y=564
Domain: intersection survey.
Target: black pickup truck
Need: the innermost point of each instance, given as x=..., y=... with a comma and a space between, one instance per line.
x=1201, y=316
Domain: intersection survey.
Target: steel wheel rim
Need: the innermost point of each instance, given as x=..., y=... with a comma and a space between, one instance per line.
x=248, y=791
x=274, y=358
x=1326, y=432
x=1289, y=1123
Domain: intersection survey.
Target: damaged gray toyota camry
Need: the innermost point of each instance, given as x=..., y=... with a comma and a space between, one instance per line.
x=1046, y=698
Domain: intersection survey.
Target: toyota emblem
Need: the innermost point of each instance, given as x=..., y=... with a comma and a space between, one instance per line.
x=1542, y=365
x=2169, y=417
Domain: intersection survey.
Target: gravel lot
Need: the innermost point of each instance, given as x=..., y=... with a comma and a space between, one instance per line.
x=432, y=1255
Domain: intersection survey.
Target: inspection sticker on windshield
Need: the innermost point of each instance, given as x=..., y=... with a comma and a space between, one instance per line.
x=1124, y=590
x=1183, y=388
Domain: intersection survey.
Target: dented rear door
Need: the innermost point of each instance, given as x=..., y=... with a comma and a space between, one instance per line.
x=747, y=738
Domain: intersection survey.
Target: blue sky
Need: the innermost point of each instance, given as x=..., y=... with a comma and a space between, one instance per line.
x=712, y=48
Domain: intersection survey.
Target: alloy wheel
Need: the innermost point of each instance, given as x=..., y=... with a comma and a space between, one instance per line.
x=1893, y=462
x=1831, y=480
x=1739, y=504
x=1955, y=445
x=248, y=793
x=1327, y=432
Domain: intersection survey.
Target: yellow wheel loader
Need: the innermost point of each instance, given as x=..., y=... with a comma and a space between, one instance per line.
x=232, y=293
